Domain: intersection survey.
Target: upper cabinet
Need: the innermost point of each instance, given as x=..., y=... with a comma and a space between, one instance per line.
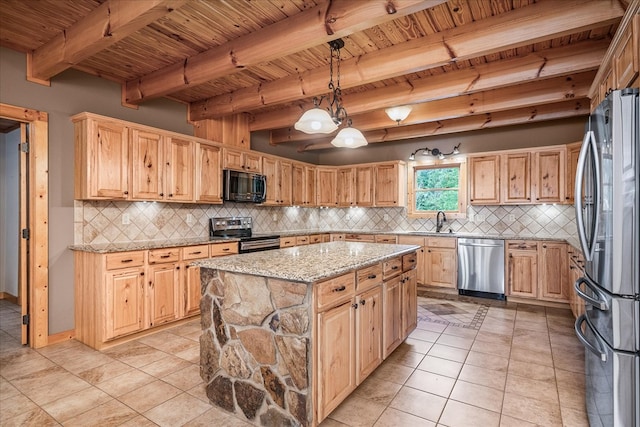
x=515, y=176
x=364, y=191
x=326, y=184
x=484, y=180
x=573, y=152
x=548, y=180
x=390, y=184
x=229, y=130
x=278, y=175
x=303, y=185
x=208, y=185
x=179, y=170
x=345, y=185
x=247, y=161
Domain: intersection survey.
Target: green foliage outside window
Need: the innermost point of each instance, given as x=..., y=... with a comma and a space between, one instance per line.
x=437, y=188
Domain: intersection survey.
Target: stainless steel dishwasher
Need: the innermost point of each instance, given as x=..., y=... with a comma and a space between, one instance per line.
x=481, y=268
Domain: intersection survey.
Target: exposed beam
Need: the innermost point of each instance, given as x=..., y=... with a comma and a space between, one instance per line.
x=534, y=93
x=561, y=110
x=523, y=26
x=109, y=23
x=552, y=63
x=313, y=27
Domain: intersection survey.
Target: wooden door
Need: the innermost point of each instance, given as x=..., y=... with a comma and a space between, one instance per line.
x=298, y=184
x=163, y=293
x=392, y=317
x=421, y=267
x=191, y=292
x=573, y=152
x=285, y=183
x=124, y=302
x=108, y=158
x=484, y=180
x=180, y=174
x=326, y=187
x=232, y=159
x=548, y=176
x=441, y=267
x=208, y=174
x=336, y=375
x=270, y=171
x=252, y=162
x=522, y=269
x=409, y=302
x=147, y=165
x=345, y=186
x=364, y=186
x=516, y=178
x=387, y=185
x=553, y=271
x=368, y=332
x=310, y=186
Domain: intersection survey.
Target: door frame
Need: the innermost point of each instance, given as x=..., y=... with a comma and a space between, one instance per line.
x=38, y=221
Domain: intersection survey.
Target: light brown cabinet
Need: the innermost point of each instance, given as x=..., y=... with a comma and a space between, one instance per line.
x=247, y=161
x=548, y=176
x=484, y=180
x=357, y=237
x=364, y=191
x=440, y=261
x=626, y=57
x=345, y=186
x=123, y=302
x=522, y=268
x=390, y=186
x=573, y=152
x=191, y=278
x=369, y=321
x=147, y=165
x=279, y=186
x=208, y=183
x=163, y=293
x=179, y=169
x=515, y=178
x=420, y=254
x=326, y=184
x=553, y=272
x=303, y=184
x=409, y=301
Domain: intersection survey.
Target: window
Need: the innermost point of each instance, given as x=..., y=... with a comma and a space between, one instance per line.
x=437, y=187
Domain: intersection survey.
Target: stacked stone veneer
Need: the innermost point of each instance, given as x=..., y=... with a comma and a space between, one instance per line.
x=255, y=347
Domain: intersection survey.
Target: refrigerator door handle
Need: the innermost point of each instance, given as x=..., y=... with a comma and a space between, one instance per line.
x=600, y=303
x=597, y=350
x=587, y=244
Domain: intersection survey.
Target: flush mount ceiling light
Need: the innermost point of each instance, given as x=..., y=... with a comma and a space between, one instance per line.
x=399, y=113
x=435, y=152
x=318, y=120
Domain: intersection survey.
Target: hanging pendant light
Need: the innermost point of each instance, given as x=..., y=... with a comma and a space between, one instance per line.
x=316, y=120
x=349, y=137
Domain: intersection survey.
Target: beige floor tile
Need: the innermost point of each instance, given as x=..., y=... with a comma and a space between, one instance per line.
x=75, y=404
x=497, y=327
x=488, y=361
x=460, y=332
x=105, y=372
x=417, y=346
x=507, y=421
x=112, y=413
x=571, y=389
x=215, y=417
x=65, y=385
x=483, y=376
x=21, y=364
x=79, y=360
x=455, y=341
x=542, y=390
x=431, y=326
x=191, y=354
x=492, y=337
x=377, y=390
x=199, y=392
x=532, y=410
x=457, y=414
x=449, y=353
x=495, y=348
x=523, y=338
x=431, y=383
x=139, y=421
x=394, y=418
x=356, y=411
x=35, y=417
x=525, y=325
x=531, y=370
x=149, y=395
x=14, y=406
x=392, y=372
x=136, y=354
x=501, y=313
x=419, y=403
x=167, y=342
x=424, y=335
x=573, y=362
x=477, y=395
x=448, y=368
x=574, y=418
x=527, y=355
x=184, y=379
x=407, y=358
x=177, y=411
x=165, y=366
x=125, y=383
x=7, y=390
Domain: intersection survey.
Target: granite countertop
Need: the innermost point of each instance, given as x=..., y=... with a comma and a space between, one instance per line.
x=148, y=244
x=308, y=263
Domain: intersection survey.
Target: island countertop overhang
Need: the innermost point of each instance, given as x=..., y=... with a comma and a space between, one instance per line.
x=310, y=263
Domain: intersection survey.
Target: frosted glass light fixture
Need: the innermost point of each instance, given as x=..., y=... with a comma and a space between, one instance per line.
x=316, y=120
x=399, y=113
x=349, y=138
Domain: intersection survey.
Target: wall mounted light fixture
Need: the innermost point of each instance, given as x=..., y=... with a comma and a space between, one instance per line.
x=399, y=113
x=435, y=152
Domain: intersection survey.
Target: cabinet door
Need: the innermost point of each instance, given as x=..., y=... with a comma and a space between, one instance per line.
x=208, y=174
x=573, y=151
x=364, y=186
x=392, y=315
x=552, y=278
x=345, y=186
x=252, y=162
x=285, y=183
x=270, y=171
x=626, y=57
x=232, y=159
x=298, y=185
x=310, y=186
x=108, y=161
x=421, y=267
x=191, y=290
x=368, y=332
x=548, y=176
x=147, y=165
x=484, y=180
x=336, y=375
x=124, y=302
x=387, y=185
x=326, y=187
x=441, y=267
x=523, y=273
x=163, y=295
x=409, y=303
x=179, y=170
x=515, y=178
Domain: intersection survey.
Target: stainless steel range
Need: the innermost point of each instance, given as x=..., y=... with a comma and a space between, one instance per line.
x=241, y=228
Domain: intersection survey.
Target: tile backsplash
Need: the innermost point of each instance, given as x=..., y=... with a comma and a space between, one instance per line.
x=98, y=222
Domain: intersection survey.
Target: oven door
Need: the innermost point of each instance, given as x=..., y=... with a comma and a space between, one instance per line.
x=256, y=245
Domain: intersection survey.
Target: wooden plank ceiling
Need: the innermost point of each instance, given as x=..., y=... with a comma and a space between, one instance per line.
x=461, y=64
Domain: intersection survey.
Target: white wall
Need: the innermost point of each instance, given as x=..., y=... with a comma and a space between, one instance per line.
x=9, y=220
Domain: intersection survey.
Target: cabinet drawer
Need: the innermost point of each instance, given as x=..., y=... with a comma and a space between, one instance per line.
x=315, y=238
x=409, y=261
x=441, y=242
x=220, y=249
x=195, y=252
x=524, y=245
x=392, y=267
x=360, y=237
x=368, y=277
x=157, y=256
x=386, y=238
x=337, y=237
x=125, y=260
x=302, y=240
x=335, y=290
x=287, y=242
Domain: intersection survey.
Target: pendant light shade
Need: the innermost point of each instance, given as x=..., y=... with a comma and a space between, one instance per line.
x=398, y=114
x=349, y=137
x=315, y=120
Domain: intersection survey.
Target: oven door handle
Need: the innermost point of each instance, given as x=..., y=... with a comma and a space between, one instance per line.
x=600, y=303
x=595, y=349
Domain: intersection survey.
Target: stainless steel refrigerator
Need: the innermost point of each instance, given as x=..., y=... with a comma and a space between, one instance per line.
x=607, y=217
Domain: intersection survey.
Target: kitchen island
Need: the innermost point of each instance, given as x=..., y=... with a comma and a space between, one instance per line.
x=288, y=334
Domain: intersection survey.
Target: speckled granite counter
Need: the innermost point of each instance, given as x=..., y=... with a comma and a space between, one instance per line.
x=309, y=263
x=148, y=244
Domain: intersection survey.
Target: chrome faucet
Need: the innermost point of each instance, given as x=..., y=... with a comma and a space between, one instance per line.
x=440, y=221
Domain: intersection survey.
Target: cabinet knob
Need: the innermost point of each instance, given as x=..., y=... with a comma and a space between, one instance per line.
x=355, y=306
x=363, y=302
x=126, y=192
x=161, y=194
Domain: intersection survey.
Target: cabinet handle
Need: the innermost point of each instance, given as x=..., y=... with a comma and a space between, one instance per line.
x=412, y=260
x=161, y=194
x=187, y=266
x=544, y=246
x=126, y=260
x=395, y=267
x=225, y=250
x=178, y=268
x=371, y=276
x=195, y=253
x=429, y=250
x=126, y=192
x=142, y=273
x=363, y=302
x=165, y=256
x=355, y=306
x=340, y=289
x=170, y=194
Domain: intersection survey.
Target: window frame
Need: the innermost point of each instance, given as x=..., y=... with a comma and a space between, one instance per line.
x=413, y=167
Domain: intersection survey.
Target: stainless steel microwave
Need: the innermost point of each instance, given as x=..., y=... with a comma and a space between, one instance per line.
x=244, y=186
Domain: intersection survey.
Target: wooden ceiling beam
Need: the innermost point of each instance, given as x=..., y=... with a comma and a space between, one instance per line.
x=522, y=26
x=321, y=24
x=555, y=62
x=540, y=113
x=109, y=23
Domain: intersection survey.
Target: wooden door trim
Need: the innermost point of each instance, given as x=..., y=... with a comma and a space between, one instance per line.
x=38, y=222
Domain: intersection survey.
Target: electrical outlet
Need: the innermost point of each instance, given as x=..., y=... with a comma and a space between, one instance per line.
x=511, y=218
x=126, y=220
x=189, y=219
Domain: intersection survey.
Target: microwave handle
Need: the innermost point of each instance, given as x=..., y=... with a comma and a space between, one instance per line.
x=264, y=187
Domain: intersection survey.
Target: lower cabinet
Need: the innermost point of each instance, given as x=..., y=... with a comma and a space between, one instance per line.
x=369, y=332
x=123, y=302
x=163, y=293
x=392, y=336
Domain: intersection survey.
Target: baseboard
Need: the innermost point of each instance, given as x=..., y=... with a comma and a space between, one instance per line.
x=9, y=297
x=61, y=337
